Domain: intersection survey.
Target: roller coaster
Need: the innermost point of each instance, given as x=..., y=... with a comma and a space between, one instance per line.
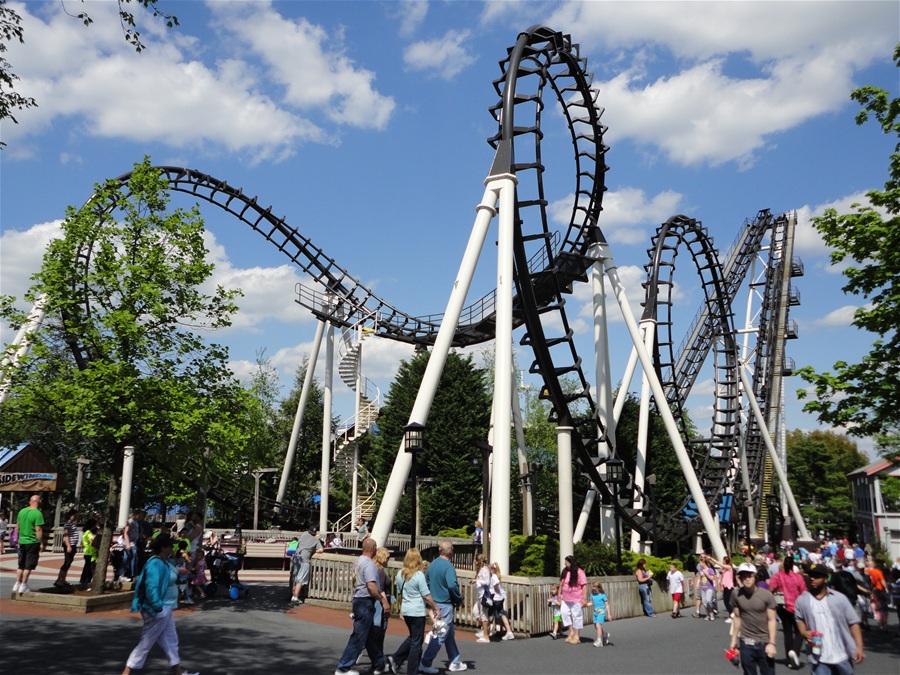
x=735, y=458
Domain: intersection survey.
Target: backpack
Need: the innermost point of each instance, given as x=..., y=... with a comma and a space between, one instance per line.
x=844, y=582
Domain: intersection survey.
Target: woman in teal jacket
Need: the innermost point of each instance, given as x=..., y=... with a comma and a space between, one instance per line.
x=155, y=597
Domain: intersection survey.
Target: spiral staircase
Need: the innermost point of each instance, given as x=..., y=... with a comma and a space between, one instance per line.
x=346, y=443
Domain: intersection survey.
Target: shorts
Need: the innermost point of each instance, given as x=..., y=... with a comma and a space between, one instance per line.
x=28, y=556
x=557, y=616
x=600, y=618
x=676, y=599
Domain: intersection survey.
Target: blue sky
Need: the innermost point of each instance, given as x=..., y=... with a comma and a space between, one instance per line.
x=365, y=124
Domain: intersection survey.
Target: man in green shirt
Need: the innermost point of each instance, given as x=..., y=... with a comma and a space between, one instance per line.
x=30, y=522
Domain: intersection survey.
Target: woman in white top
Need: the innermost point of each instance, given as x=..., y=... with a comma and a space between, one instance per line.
x=499, y=597
x=482, y=581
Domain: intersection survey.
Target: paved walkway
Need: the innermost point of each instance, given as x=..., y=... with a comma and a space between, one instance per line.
x=262, y=634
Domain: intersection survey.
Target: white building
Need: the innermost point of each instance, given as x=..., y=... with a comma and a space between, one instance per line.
x=872, y=520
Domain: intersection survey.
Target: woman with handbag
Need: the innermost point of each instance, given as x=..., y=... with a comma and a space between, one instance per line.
x=484, y=600
x=155, y=597
x=645, y=580
x=415, y=601
x=791, y=586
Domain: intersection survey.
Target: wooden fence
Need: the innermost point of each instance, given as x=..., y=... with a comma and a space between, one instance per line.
x=331, y=582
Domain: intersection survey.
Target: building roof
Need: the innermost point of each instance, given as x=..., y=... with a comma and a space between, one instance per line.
x=877, y=467
x=9, y=453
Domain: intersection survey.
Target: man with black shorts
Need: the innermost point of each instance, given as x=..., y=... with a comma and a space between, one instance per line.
x=30, y=522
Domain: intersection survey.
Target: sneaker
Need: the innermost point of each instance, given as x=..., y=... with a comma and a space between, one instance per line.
x=428, y=670
x=598, y=643
x=60, y=584
x=793, y=659
x=458, y=667
x=728, y=620
x=23, y=588
x=605, y=638
x=479, y=634
x=554, y=636
x=391, y=665
x=294, y=599
x=16, y=587
x=508, y=636
x=346, y=672
x=483, y=640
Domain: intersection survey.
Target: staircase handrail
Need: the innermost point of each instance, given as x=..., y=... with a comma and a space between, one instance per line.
x=368, y=500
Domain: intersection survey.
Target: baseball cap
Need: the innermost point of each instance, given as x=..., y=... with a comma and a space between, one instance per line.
x=816, y=570
x=746, y=568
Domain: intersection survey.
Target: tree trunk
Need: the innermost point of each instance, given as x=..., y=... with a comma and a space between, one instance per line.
x=105, y=537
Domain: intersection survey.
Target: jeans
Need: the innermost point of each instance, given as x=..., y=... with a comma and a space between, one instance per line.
x=68, y=558
x=128, y=562
x=449, y=638
x=726, y=598
x=410, y=649
x=87, y=572
x=754, y=660
x=644, y=590
x=792, y=638
x=158, y=629
x=363, y=614
x=842, y=668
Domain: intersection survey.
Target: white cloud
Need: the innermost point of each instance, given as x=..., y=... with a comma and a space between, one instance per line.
x=745, y=71
x=168, y=95
x=308, y=62
x=22, y=253
x=842, y=316
x=445, y=56
x=411, y=14
x=807, y=240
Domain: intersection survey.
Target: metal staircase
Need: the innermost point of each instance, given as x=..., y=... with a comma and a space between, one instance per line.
x=346, y=444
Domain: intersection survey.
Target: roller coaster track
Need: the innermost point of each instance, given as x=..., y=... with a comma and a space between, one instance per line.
x=547, y=265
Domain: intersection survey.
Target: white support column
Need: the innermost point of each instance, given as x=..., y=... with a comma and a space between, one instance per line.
x=327, y=389
x=21, y=344
x=500, y=490
x=648, y=330
x=671, y=427
x=354, y=499
x=564, y=471
x=127, y=479
x=298, y=418
x=422, y=405
x=776, y=462
x=527, y=495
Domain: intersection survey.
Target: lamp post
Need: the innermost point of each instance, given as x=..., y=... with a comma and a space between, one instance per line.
x=651, y=486
x=257, y=474
x=83, y=463
x=528, y=505
x=486, y=450
x=413, y=442
x=615, y=476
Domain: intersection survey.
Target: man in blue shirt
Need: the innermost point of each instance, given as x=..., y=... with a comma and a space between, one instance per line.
x=441, y=578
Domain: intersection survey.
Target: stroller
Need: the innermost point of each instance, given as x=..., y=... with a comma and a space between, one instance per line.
x=223, y=571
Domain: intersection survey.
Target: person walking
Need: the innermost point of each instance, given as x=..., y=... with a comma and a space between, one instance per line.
x=675, y=582
x=156, y=597
x=707, y=585
x=444, y=585
x=792, y=585
x=480, y=608
x=498, y=597
x=415, y=604
x=362, y=531
x=573, y=587
x=30, y=530
x=602, y=614
x=754, y=623
x=70, y=540
x=826, y=620
x=726, y=581
x=645, y=581
x=365, y=594
x=381, y=617
x=307, y=546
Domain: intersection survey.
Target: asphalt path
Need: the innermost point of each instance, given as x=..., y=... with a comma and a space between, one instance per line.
x=263, y=634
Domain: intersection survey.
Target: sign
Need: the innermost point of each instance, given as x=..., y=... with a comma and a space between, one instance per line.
x=28, y=481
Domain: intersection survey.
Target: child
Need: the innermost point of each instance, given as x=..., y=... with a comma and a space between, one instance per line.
x=676, y=588
x=554, y=603
x=183, y=567
x=601, y=613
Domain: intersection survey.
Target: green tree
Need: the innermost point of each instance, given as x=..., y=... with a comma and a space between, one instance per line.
x=864, y=397
x=117, y=362
x=818, y=464
x=459, y=416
